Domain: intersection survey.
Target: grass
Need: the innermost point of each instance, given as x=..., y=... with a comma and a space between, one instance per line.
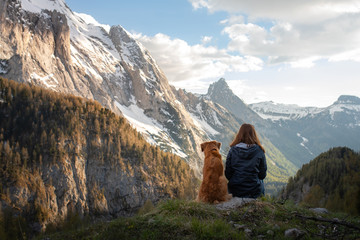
x=179, y=219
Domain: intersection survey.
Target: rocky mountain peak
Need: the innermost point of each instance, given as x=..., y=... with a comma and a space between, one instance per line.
x=219, y=87
x=348, y=99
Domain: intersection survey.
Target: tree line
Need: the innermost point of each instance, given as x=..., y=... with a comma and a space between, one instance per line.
x=331, y=180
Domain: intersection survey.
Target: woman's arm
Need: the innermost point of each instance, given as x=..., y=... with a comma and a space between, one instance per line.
x=228, y=169
x=262, y=167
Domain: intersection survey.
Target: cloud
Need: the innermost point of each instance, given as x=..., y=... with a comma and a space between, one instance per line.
x=284, y=10
x=296, y=32
x=205, y=40
x=181, y=61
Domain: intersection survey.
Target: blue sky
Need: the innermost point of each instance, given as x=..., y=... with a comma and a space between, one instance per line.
x=294, y=52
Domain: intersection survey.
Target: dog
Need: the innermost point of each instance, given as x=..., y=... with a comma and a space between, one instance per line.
x=213, y=188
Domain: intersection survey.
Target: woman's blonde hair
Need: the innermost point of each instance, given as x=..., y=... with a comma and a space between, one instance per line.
x=247, y=135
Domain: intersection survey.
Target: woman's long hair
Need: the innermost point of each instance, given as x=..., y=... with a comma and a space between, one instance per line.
x=247, y=135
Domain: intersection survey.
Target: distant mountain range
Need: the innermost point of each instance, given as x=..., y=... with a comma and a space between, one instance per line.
x=305, y=132
x=46, y=44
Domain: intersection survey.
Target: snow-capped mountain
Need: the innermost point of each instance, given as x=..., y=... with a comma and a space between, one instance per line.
x=344, y=106
x=44, y=43
x=303, y=133
x=345, y=112
x=278, y=111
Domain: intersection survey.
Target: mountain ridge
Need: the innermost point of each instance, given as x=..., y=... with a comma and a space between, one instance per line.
x=108, y=65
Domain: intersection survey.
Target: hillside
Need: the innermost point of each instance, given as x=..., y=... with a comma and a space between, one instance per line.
x=260, y=219
x=61, y=154
x=331, y=180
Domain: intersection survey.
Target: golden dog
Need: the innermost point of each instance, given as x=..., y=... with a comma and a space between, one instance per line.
x=213, y=188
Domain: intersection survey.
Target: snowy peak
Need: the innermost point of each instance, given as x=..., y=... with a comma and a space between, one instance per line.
x=347, y=99
x=345, y=112
x=37, y=6
x=277, y=111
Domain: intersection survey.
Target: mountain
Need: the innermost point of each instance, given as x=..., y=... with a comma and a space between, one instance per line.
x=222, y=121
x=277, y=111
x=89, y=161
x=46, y=44
x=331, y=180
x=308, y=131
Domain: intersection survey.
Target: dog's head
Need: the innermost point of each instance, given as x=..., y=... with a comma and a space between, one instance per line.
x=208, y=146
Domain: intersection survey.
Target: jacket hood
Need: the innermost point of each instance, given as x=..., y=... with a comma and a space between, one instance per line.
x=246, y=151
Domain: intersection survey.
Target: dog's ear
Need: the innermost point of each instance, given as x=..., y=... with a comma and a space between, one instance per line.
x=202, y=146
x=218, y=144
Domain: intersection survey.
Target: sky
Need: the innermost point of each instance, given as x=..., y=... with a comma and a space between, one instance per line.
x=294, y=52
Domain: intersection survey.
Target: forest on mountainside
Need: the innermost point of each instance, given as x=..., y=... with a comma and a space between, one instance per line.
x=42, y=131
x=331, y=180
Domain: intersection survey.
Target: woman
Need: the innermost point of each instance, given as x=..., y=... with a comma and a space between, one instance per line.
x=246, y=164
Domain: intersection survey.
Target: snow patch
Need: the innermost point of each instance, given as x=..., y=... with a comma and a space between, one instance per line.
x=202, y=124
x=36, y=6
x=90, y=20
x=342, y=108
x=276, y=111
x=147, y=126
x=3, y=66
x=49, y=80
x=304, y=141
x=216, y=120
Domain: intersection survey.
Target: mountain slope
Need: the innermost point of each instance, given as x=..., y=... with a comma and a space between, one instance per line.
x=89, y=161
x=331, y=180
x=45, y=43
x=307, y=132
x=222, y=125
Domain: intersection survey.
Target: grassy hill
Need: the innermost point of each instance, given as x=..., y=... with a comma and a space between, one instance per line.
x=178, y=219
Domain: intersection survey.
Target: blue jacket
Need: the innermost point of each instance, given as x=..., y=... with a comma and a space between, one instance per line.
x=245, y=169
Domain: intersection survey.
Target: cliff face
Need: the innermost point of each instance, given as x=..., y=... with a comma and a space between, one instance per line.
x=89, y=161
x=45, y=43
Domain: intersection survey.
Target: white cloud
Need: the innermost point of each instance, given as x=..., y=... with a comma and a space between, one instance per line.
x=205, y=40
x=181, y=61
x=300, y=32
x=284, y=10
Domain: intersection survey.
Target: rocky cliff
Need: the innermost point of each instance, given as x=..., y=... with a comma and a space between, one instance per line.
x=89, y=161
x=45, y=43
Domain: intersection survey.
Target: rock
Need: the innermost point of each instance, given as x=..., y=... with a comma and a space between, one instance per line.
x=276, y=227
x=294, y=233
x=270, y=233
x=238, y=226
x=319, y=210
x=234, y=203
x=248, y=231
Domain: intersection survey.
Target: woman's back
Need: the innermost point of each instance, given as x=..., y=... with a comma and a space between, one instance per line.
x=245, y=168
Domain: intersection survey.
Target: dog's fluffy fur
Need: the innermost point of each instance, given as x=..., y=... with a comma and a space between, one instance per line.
x=213, y=188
